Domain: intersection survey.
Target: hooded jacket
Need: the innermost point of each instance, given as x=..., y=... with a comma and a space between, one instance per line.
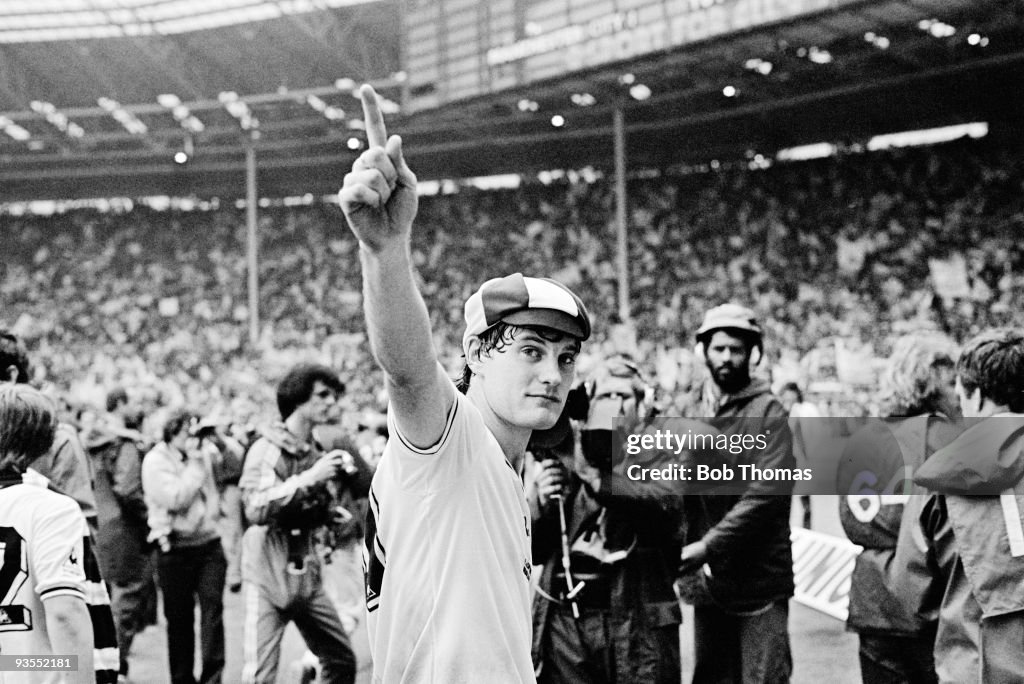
x=877, y=457
x=747, y=535
x=120, y=504
x=974, y=533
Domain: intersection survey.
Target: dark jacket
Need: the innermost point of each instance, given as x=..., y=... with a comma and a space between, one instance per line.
x=644, y=517
x=973, y=528
x=874, y=484
x=69, y=471
x=747, y=535
x=120, y=505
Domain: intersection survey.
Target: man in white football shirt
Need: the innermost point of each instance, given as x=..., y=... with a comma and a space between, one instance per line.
x=42, y=579
x=448, y=532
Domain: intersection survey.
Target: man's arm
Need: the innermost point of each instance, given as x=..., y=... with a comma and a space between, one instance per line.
x=70, y=629
x=56, y=555
x=266, y=497
x=166, y=486
x=379, y=201
x=127, y=485
x=756, y=509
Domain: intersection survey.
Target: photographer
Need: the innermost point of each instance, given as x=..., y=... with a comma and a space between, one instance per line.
x=182, y=501
x=289, y=490
x=613, y=542
x=226, y=455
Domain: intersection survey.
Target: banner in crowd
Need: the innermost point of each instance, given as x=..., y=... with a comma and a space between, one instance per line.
x=949, y=277
x=822, y=567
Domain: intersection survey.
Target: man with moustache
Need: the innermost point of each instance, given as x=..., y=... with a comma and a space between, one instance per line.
x=736, y=562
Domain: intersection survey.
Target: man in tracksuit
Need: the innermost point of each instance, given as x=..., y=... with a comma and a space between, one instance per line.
x=971, y=523
x=289, y=490
x=736, y=564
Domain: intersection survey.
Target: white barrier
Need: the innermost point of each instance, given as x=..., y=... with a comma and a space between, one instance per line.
x=822, y=566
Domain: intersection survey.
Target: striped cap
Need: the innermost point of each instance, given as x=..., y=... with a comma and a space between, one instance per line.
x=520, y=300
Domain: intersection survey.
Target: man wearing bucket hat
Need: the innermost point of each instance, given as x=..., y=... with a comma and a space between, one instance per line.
x=736, y=563
x=447, y=553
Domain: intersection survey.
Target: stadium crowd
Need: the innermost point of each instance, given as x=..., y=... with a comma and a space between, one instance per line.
x=129, y=317
x=829, y=249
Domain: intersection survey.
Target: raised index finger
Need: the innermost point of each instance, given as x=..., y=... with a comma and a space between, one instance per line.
x=376, y=134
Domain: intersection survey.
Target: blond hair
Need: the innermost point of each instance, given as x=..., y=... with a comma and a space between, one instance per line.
x=28, y=424
x=909, y=384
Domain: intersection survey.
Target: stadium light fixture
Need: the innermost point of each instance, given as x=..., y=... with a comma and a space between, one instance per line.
x=526, y=105
x=640, y=92
x=583, y=99
x=13, y=130
x=730, y=91
x=354, y=143
x=60, y=121
x=558, y=121
x=131, y=123
x=819, y=56
x=181, y=112
x=936, y=28
x=627, y=79
x=978, y=40
x=928, y=136
x=880, y=42
x=183, y=155
x=805, y=152
x=329, y=112
x=759, y=65
x=237, y=108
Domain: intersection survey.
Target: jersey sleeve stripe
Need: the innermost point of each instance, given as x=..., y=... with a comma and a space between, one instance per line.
x=62, y=590
x=440, y=442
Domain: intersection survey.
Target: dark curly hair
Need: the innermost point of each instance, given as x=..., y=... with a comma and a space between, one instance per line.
x=994, y=363
x=497, y=338
x=296, y=387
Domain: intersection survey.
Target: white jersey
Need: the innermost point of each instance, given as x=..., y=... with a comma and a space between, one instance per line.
x=448, y=560
x=41, y=535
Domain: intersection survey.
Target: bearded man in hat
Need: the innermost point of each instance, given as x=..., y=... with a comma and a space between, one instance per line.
x=736, y=564
x=447, y=553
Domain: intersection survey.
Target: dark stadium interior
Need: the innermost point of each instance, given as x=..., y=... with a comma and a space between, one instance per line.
x=918, y=81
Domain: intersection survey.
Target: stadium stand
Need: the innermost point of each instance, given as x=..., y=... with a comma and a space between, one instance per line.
x=827, y=249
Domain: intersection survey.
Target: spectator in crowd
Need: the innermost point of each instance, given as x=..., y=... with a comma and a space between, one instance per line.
x=65, y=464
x=226, y=454
x=182, y=502
x=45, y=613
x=917, y=391
x=806, y=434
x=621, y=537
x=736, y=563
x=453, y=462
x=126, y=557
x=290, y=491
x=971, y=520
x=65, y=468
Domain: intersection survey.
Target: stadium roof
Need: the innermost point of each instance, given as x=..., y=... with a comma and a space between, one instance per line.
x=105, y=116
